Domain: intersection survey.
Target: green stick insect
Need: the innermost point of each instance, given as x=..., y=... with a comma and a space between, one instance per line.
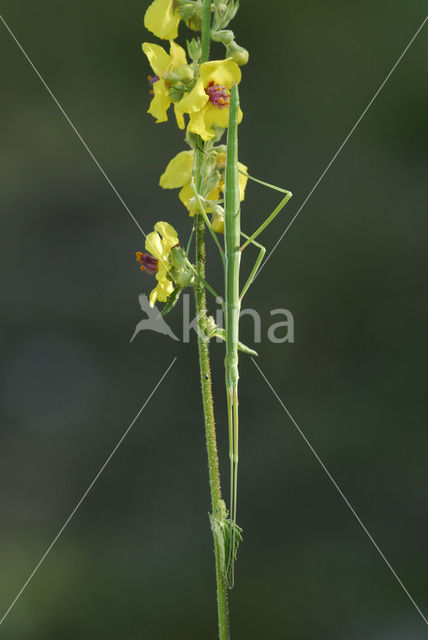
x=227, y=532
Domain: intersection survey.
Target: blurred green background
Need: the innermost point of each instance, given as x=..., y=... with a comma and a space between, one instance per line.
x=136, y=560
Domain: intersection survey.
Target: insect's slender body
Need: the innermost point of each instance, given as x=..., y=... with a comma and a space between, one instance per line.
x=232, y=235
x=231, y=256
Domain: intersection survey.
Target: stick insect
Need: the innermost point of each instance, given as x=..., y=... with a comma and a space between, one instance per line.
x=231, y=256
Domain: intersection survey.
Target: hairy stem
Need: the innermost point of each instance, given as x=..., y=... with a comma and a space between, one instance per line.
x=204, y=362
x=210, y=432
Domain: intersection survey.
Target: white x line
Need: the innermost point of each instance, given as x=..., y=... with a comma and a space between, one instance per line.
x=43, y=558
x=42, y=80
x=345, y=499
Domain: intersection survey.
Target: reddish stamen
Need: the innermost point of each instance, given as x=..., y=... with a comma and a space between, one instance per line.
x=218, y=94
x=148, y=262
x=152, y=80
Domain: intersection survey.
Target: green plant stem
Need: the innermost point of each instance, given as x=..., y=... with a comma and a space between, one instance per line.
x=210, y=432
x=204, y=362
x=206, y=30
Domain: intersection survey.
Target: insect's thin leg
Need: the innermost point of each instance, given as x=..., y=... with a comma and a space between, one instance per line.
x=235, y=480
x=232, y=219
x=255, y=268
x=205, y=217
x=190, y=240
x=208, y=287
x=265, y=184
x=268, y=220
x=274, y=213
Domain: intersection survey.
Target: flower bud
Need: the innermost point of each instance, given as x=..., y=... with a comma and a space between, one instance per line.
x=225, y=36
x=190, y=12
x=238, y=54
x=185, y=73
x=194, y=23
x=217, y=221
x=171, y=77
x=177, y=258
x=194, y=49
x=211, y=326
x=184, y=278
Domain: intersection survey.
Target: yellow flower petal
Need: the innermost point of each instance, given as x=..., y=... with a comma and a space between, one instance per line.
x=185, y=194
x=163, y=269
x=153, y=297
x=214, y=194
x=153, y=245
x=163, y=289
x=220, y=117
x=242, y=179
x=178, y=171
x=169, y=235
x=160, y=102
x=195, y=100
x=178, y=55
x=223, y=72
x=162, y=20
x=200, y=123
x=221, y=159
x=217, y=116
x=179, y=117
x=158, y=58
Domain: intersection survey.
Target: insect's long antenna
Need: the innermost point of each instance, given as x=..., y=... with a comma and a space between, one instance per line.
x=235, y=480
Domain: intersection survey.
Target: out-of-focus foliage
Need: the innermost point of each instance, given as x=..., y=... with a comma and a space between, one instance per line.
x=133, y=563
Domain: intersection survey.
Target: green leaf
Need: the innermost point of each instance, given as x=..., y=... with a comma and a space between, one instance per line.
x=225, y=534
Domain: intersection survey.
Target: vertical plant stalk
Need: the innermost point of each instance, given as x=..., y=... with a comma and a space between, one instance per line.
x=204, y=362
x=206, y=30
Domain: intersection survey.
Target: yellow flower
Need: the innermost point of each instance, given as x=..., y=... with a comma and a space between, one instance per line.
x=208, y=102
x=162, y=20
x=163, y=63
x=178, y=175
x=159, y=243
